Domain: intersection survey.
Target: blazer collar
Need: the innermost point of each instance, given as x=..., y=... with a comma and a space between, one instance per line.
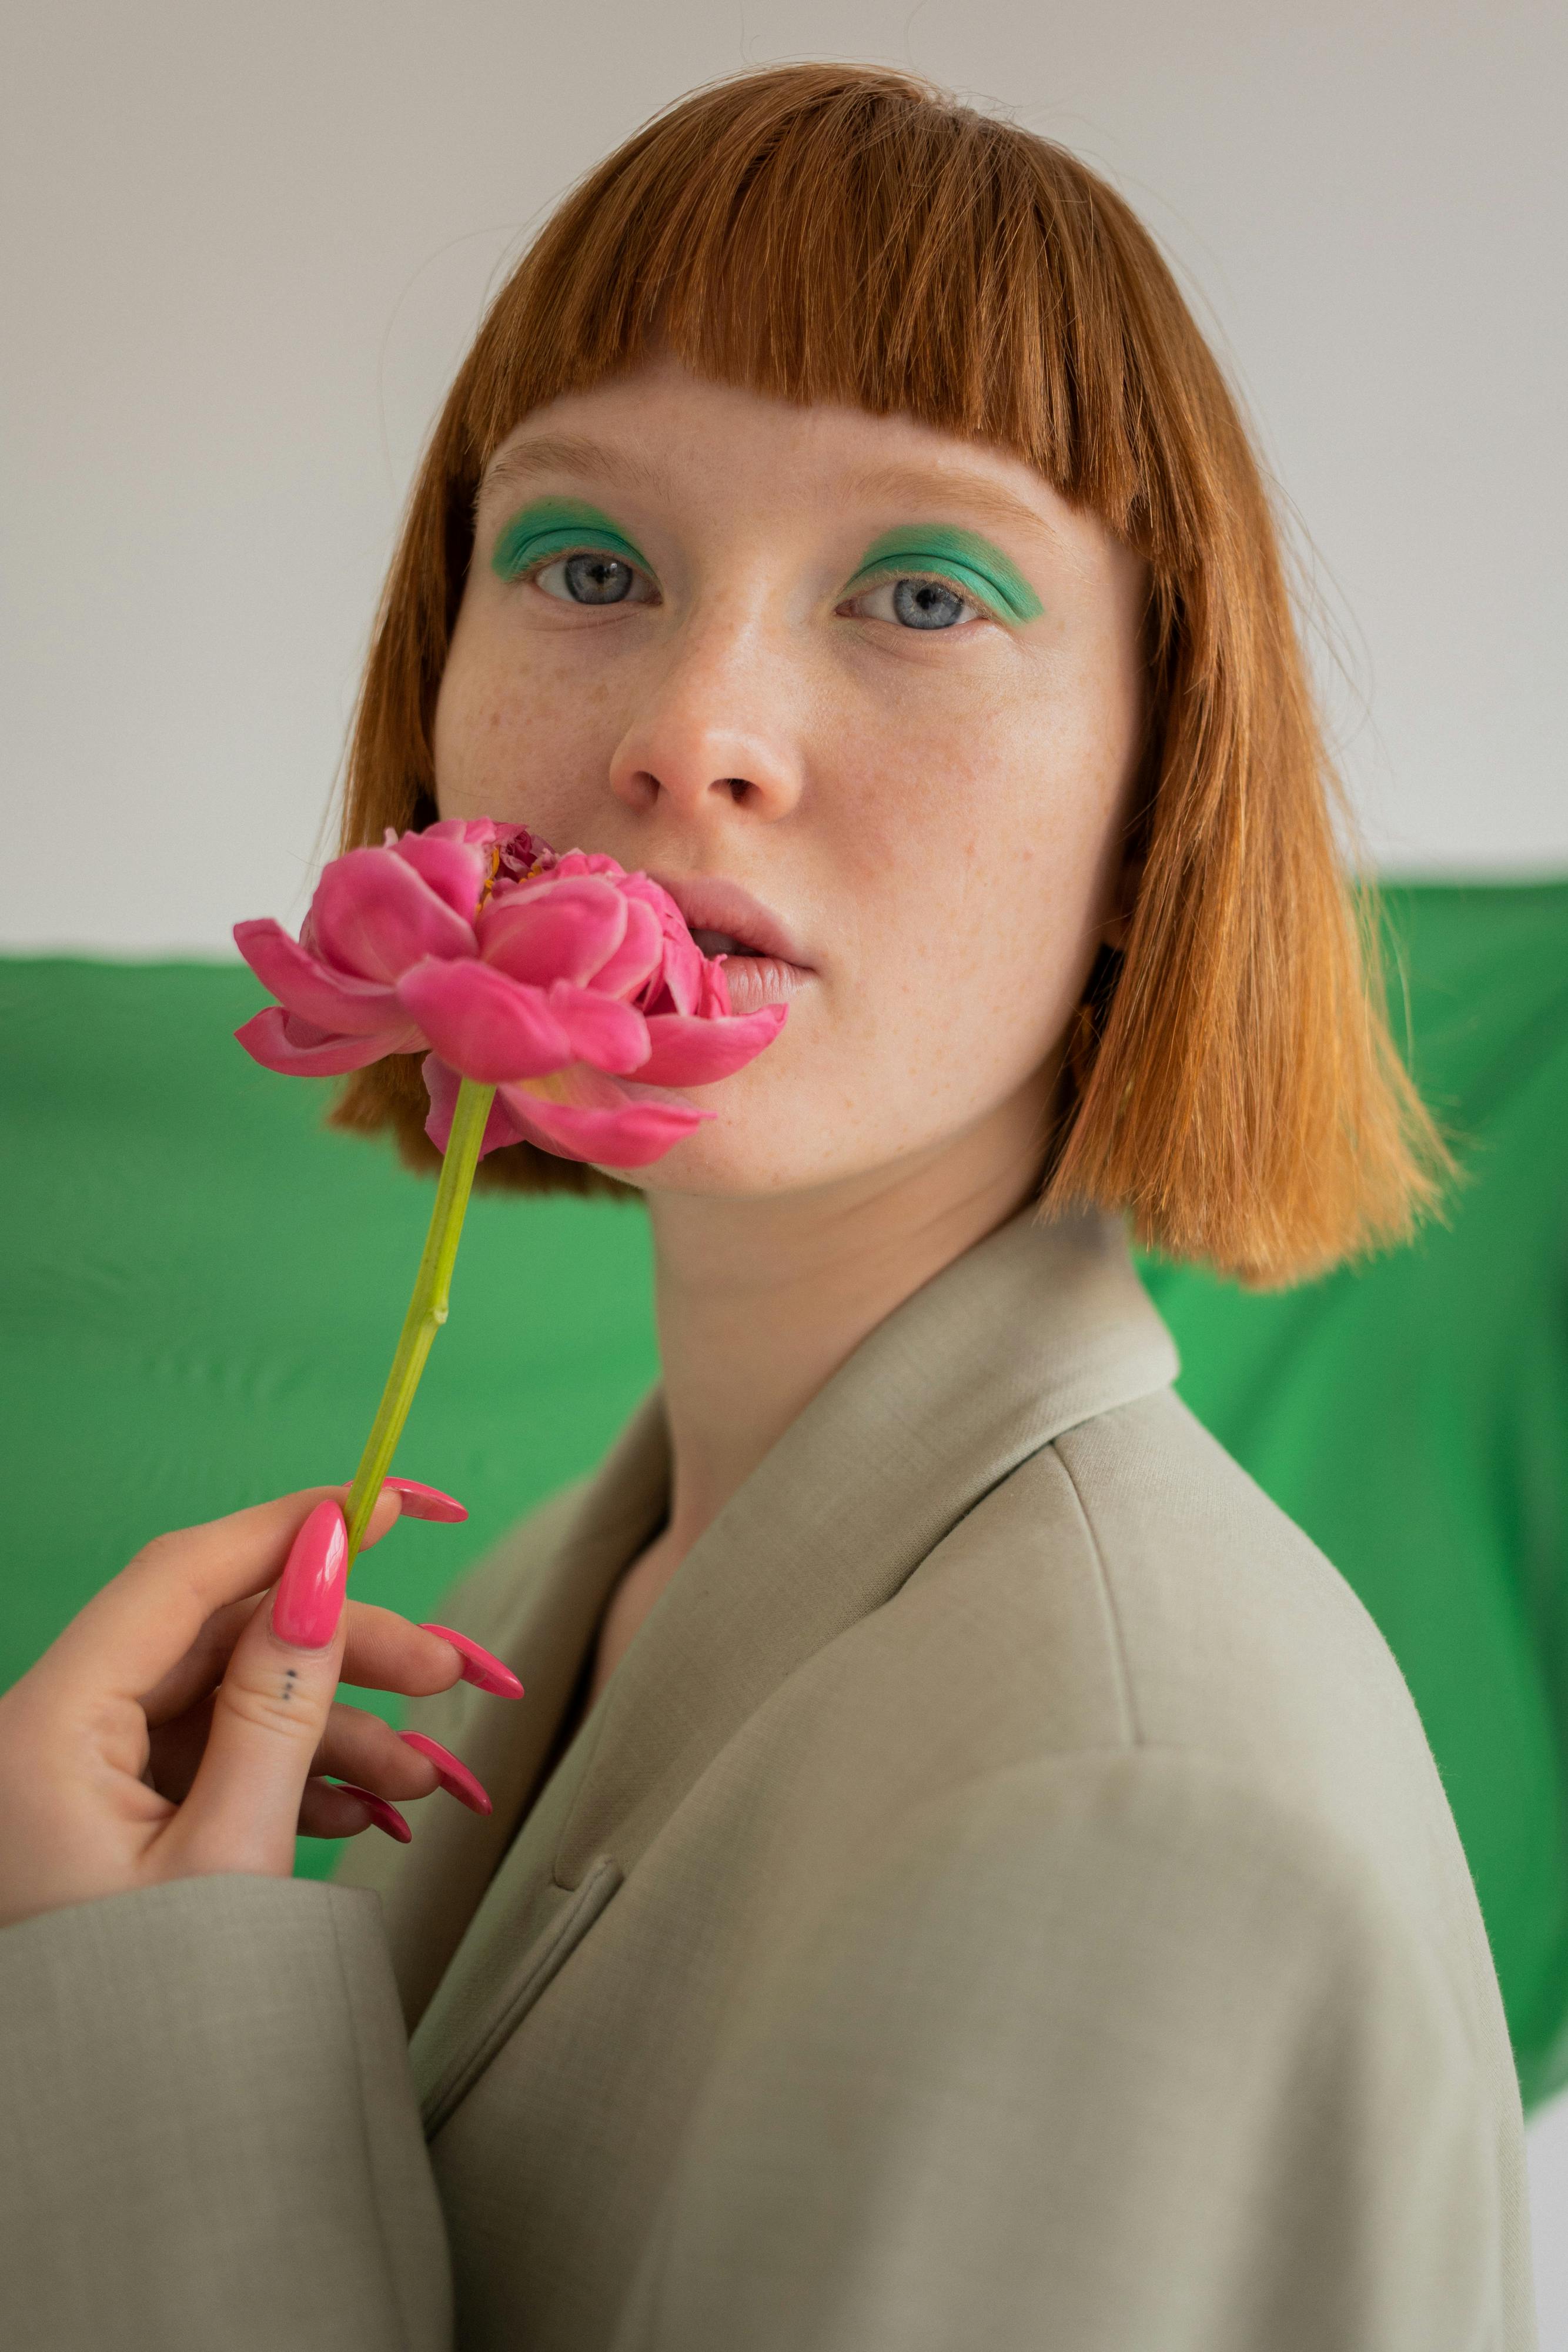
x=1036, y=1329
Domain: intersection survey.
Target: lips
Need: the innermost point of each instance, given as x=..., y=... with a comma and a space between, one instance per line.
x=763, y=962
x=734, y=922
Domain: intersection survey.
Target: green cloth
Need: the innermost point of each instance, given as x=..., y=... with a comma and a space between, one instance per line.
x=1413, y=1416
x=200, y=1290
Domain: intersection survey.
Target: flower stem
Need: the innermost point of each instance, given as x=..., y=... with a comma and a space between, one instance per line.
x=426, y=1308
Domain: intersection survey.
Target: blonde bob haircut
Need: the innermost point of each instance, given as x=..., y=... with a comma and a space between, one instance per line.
x=846, y=234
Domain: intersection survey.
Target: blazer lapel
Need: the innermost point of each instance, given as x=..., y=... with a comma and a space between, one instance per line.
x=1035, y=1330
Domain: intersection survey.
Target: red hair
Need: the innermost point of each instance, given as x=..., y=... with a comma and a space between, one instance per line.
x=846, y=234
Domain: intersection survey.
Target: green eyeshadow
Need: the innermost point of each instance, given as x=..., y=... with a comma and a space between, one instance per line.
x=561, y=527
x=970, y=561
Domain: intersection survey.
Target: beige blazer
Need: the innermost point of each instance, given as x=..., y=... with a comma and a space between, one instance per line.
x=1004, y=1898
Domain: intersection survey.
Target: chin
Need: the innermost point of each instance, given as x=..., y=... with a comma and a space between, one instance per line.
x=771, y=1131
x=763, y=1142
x=729, y=1166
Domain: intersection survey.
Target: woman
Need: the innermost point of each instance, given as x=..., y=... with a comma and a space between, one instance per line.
x=967, y=1871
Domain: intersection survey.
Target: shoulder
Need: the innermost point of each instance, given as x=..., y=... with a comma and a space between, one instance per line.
x=1237, y=1639
x=1154, y=1945
x=1159, y=1954
x=1131, y=1645
x=1158, y=1884
x=1129, y=1584
x=1167, y=1584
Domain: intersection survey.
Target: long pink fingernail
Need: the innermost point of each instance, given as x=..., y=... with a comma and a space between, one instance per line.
x=480, y=1666
x=309, y=1600
x=385, y=1817
x=450, y=1771
x=422, y=1502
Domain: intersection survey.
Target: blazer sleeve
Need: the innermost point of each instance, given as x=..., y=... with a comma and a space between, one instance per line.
x=208, y=2132
x=1104, y=2053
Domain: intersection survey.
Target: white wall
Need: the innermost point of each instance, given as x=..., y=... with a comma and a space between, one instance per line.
x=244, y=248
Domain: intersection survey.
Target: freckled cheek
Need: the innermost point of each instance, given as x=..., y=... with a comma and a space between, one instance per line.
x=510, y=728
x=969, y=876
x=917, y=822
x=886, y=797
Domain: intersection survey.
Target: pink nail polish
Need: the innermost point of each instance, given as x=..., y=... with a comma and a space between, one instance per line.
x=480, y=1666
x=309, y=1600
x=385, y=1816
x=450, y=1771
x=422, y=1502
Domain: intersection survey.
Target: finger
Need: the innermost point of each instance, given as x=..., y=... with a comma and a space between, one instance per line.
x=404, y=1764
x=355, y=1746
x=451, y=1771
x=140, y=1628
x=359, y=1747
x=200, y=1671
x=329, y=1811
x=175, y=1748
x=269, y=1715
x=381, y=1652
x=478, y=1664
x=422, y=1502
x=386, y=1651
x=411, y=1664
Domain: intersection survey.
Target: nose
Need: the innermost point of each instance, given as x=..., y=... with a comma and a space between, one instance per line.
x=713, y=731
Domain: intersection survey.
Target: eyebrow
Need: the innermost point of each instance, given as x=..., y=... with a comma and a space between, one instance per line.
x=563, y=452
x=917, y=484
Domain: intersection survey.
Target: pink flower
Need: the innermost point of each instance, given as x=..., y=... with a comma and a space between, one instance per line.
x=553, y=979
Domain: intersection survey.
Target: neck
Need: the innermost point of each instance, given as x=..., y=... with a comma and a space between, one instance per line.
x=760, y=1300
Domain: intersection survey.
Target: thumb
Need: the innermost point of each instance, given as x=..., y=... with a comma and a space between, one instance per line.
x=269, y=1713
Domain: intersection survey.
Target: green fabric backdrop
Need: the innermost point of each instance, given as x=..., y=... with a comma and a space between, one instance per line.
x=200, y=1289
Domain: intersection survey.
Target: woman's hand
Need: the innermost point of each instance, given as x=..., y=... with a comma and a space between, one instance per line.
x=183, y=1722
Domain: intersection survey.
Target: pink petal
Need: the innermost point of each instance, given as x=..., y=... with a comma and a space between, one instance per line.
x=638, y=954
x=455, y=870
x=485, y=1025
x=546, y=930
x=441, y=1084
x=603, y=1031
x=483, y=830
x=689, y=1052
x=591, y=861
x=280, y=1041
x=713, y=999
x=374, y=917
x=627, y=1137
x=678, y=984
x=521, y=851
x=336, y=1003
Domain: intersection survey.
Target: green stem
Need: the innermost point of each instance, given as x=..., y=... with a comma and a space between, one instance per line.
x=426, y=1308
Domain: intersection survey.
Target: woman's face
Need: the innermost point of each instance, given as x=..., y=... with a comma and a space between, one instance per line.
x=865, y=698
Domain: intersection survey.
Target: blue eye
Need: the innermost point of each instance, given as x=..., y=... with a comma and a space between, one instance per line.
x=928, y=603
x=592, y=576
x=913, y=602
